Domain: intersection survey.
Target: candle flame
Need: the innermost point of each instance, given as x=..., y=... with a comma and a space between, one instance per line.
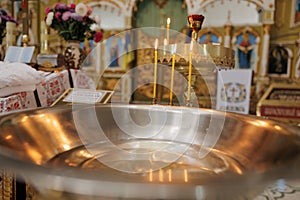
x=170, y=175
x=160, y=175
x=186, y=179
x=150, y=176
x=165, y=42
x=168, y=21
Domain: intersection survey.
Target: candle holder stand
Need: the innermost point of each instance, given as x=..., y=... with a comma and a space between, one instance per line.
x=206, y=61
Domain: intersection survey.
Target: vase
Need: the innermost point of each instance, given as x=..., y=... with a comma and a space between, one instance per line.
x=74, y=55
x=2, y=53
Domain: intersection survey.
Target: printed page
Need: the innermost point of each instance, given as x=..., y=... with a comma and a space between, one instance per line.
x=19, y=54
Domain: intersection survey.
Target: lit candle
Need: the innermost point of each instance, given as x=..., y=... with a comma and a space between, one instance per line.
x=190, y=72
x=186, y=178
x=150, y=176
x=170, y=175
x=155, y=70
x=161, y=175
x=168, y=30
x=165, y=44
x=172, y=74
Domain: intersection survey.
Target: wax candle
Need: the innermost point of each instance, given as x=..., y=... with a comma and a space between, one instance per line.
x=155, y=70
x=190, y=71
x=172, y=74
x=165, y=44
x=168, y=30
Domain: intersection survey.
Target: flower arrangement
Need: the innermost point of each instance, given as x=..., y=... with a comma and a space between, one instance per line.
x=4, y=17
x=73, y=22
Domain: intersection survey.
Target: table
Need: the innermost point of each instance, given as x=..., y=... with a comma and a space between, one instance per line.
x=47, y=91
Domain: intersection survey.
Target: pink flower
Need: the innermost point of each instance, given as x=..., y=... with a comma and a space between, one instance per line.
x=57, y=15
x=47, y=10
x=73, y=6
x=61, y=6
x=76, y=17
x=98, y=36
x=72, y=22
x=89, y=10
x=66, y=16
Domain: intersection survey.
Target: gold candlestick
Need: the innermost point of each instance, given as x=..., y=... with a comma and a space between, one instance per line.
x=154, y=99
x=25, y=28
x=168, y=30
x=190, y=74
x=172, y=74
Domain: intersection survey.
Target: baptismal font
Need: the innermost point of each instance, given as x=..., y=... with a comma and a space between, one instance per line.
x=198, y=63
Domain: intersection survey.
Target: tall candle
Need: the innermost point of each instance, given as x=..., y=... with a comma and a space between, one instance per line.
x=155, y=70
x=165, y=44
x=161, y=175
x=170, y=175
x=168, y=30
x=150, y=175
x=186, y=178
x=172, y=74
x=190, y=71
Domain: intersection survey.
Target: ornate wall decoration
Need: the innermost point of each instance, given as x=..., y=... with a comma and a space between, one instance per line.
x=280, y=14
x=245, y=43
x=280, y=62
x=263, y=9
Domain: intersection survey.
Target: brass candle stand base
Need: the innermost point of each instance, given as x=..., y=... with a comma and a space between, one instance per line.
x=206, y=61
x=25, y=40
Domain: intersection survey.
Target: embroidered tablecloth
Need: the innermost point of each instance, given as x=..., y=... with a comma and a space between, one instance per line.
x=47, y=91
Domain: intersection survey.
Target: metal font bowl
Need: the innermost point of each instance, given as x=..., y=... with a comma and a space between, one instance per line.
x=146, y=152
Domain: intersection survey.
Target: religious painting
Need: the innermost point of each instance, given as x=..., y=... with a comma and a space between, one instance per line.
x=114, y=50
x=279, y=61
x=295, y=15
x=246, y=51
x=209, y=37
x=88, y=46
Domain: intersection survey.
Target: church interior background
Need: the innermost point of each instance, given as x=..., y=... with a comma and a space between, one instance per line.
x=263, y=33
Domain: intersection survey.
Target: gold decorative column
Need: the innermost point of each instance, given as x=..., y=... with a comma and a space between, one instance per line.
x=128, y=22
x=44, y=38
x=6, y=184
x=25, y=28
x=10, y=34
x=265, y=50
x=5, y=4
x=34, y=25
x=297, y=61
x=228, y=29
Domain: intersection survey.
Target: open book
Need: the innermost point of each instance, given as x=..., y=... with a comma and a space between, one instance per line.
x=19, y=54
